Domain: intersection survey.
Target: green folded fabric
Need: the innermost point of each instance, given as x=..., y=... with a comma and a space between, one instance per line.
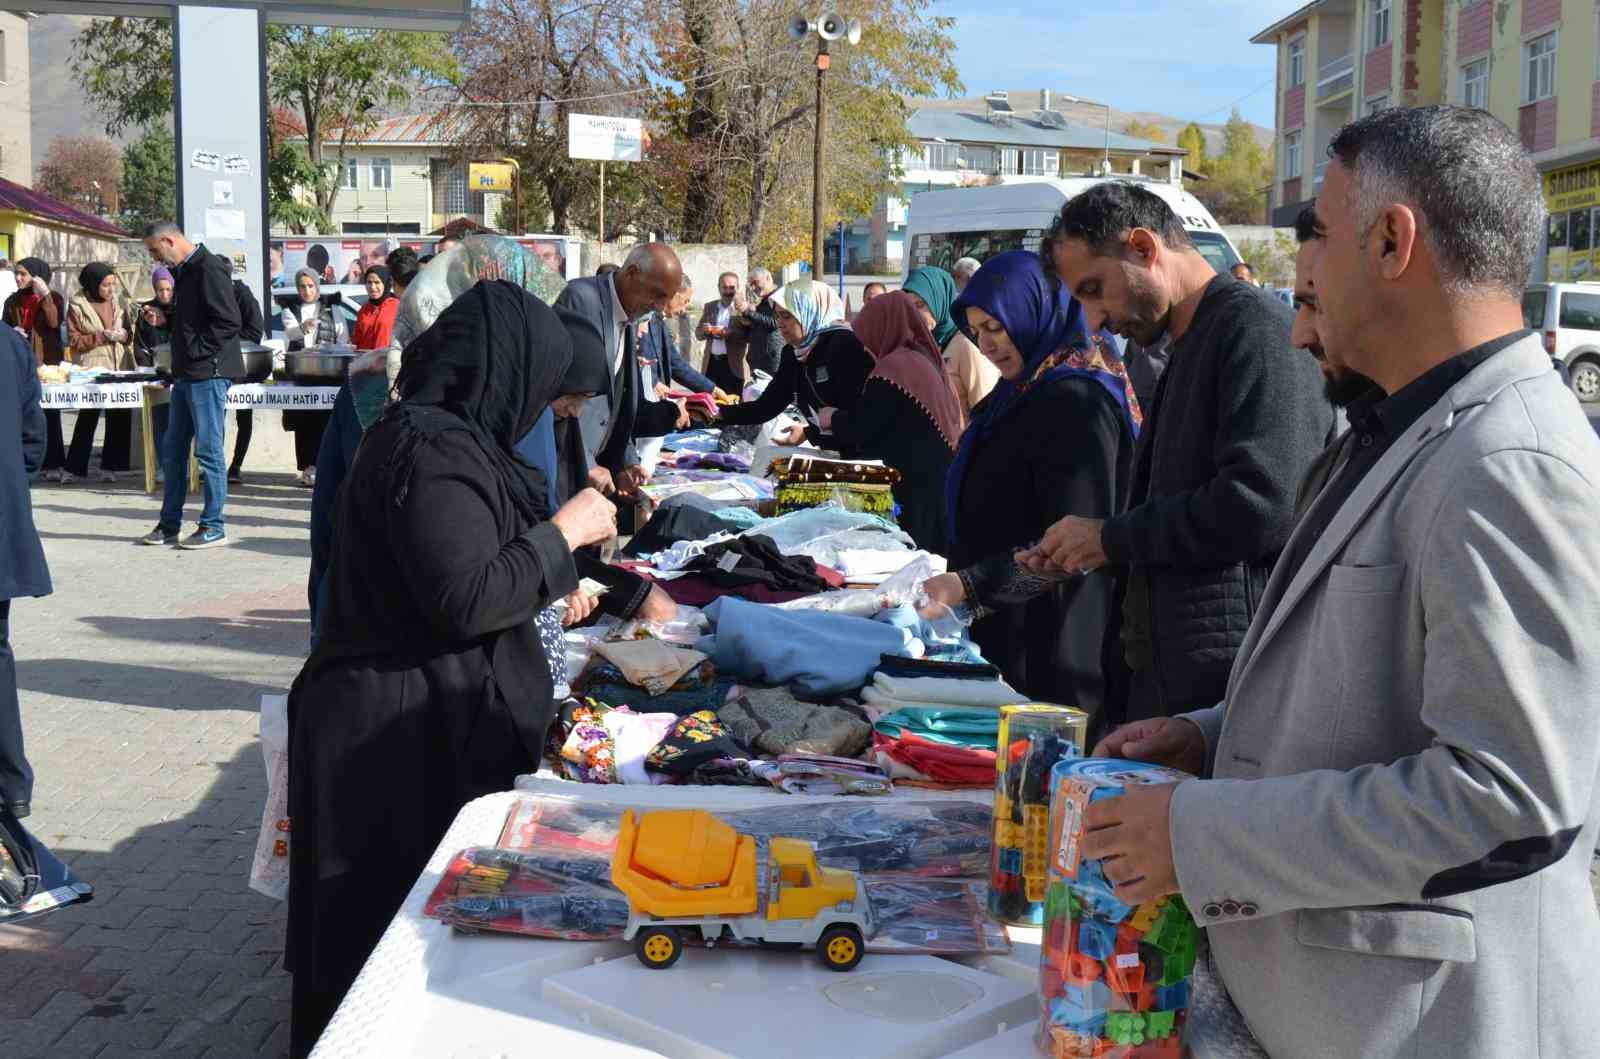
x=970, y=728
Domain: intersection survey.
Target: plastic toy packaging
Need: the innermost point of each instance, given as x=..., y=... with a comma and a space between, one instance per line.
x=1032, y=739
x=1113, y=978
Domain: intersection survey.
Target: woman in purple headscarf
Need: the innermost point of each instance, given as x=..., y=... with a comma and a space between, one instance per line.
x=1055, y=438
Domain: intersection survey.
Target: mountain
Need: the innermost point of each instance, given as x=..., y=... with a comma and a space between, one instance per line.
x=1091, y=115
x=58, y=103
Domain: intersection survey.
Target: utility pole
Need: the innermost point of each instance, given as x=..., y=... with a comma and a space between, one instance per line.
x=816, y=162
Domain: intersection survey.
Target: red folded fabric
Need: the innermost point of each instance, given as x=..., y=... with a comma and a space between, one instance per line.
x=940, y=761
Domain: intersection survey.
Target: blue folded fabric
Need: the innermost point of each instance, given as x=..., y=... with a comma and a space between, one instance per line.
x=813, y=652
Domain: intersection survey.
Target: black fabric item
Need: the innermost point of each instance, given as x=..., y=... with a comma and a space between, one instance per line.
x=902, y=666
x=765, y=348
x=16, y=775
x=251, y=323
x=429, y=684
x=244, y=421
x=1376, y=422
x=36, y=266
x=1238, y=416
x=887, y=424
x=307, y=438
x=1065, y=452
x=589, y=370
x=682, y=518
x=23, y=432
x=694, y=742
x=204, y=319
x=572, y=467
x=758, y=562
x=1505, y=863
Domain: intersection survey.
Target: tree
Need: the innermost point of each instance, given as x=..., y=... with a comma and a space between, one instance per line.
x=1238, y=176
x=738, y=132
x=82, y=171
x=1145, y=130
x=124, y=66
x=1193, y=140
x=149, y=179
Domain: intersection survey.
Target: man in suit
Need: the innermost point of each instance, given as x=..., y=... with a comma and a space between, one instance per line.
x=205, y=356
x=23, y=571
x=648, y=280
x=726, y=334
x=1390, y=847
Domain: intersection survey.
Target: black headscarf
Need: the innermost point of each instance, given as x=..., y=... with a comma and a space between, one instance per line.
x=388, y=282
x=591, y=369
x=93, y=274
x=36, y=266
x=493, y=361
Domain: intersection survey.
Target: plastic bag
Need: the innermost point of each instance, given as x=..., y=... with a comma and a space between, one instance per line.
x=269, y=869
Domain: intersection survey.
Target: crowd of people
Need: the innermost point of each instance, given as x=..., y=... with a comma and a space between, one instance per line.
x=1366, y=642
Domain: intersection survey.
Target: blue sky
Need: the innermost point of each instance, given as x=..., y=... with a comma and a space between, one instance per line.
x=1190, y=60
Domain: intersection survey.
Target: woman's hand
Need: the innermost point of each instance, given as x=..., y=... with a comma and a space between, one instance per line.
x=40, y=287
x=825, y=420
x=795, y=435
x=153, y=316
x=657, y=606
x=580, y=605
x=587, y=518
x=683, y=422
x=943, y=592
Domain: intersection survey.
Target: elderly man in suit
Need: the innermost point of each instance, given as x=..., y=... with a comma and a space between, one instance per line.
x=1390, y=847
x=726, y=334
x=648, y=280
x=22, y=567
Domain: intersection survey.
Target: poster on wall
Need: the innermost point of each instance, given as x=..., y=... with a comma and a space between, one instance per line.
x=1573, y=198
x=333, y=260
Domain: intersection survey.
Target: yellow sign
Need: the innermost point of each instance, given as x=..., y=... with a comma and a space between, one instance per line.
x=491, y=176
x=1571, y=189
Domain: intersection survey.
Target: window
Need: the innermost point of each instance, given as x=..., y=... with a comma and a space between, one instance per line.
x=1010, y=160
x=1533, y=307
x=1214, y=248
x=382, y=176
x=1040, y=163
x=1297, y=62
x=942, y=156
x=1378, y=25
x=1581, y=311
x=1475, y=84
x=348, y=176
x=978, y=159
x=1539, y=68
x=451, y=195
x=1291, y=155
x=1377, y=103
x=4, y=72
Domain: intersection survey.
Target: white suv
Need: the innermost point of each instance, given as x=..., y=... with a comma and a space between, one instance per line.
x=1568, y=314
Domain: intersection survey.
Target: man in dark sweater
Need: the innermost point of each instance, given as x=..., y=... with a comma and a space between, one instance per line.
x=205, y=354
x=1236, y=419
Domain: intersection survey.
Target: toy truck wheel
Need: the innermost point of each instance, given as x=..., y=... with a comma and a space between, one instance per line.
x=840, y=948
x=658, y=947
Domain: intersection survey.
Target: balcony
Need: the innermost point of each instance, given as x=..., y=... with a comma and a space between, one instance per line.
x=1336, y=78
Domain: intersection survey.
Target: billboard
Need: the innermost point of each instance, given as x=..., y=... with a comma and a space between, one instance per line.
x=491, y=176
x=604, y=139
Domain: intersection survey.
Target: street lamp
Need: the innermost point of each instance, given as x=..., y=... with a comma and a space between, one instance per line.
x=828, y=28
x=1105, y=163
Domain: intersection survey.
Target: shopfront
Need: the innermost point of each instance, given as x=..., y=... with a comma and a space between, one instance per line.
x=1572, y=237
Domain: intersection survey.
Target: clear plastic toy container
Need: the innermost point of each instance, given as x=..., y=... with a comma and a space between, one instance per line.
x=1032, y=739
x=1113, y=978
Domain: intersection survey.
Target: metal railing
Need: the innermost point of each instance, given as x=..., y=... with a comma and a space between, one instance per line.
x=1336, y=76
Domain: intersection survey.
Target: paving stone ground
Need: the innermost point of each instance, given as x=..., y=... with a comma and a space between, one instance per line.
x=140, y=680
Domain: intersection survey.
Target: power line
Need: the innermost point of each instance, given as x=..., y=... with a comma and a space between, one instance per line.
x=1229, y=106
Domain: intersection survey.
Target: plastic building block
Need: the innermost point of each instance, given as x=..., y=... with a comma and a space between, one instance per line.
x=1035, y=837
x=1144, y=917
x=1168, y=1048
x=1079, y=1020
x=1125, y=973
x=1125, y=1027
x=1066, y=1044
x=1084, y=1000
x=1170, y=930
x=1173, y=997
x=1082, y=968
x=1160, y=1023
x=1096, y=938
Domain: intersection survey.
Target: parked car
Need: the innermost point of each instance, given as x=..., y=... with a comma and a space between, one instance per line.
x=1568, y=315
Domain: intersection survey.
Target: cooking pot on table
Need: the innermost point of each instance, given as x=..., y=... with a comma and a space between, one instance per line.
x=257, y=362
x=320, y=365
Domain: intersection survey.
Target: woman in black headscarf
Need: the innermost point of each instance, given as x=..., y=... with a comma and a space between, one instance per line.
x=429, y=685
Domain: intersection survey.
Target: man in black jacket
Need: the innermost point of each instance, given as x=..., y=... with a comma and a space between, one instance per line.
x=251, y=327
x=1237, y=418
x=22, y=567
x=205, y=355
x=764, y=351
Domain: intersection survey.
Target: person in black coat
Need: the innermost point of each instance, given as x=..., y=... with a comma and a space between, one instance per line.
x=23, y=571
x=251, y=328
x=1054, y=438
x=1237, y=418
x=204, y=320
x=906, y=414
x=430, y=684
x=764, y=344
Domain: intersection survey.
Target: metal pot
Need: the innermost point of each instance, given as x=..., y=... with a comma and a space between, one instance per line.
x=320, y=365
x=257, y=362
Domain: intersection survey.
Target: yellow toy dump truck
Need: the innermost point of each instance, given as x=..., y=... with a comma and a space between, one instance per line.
x=685, y=870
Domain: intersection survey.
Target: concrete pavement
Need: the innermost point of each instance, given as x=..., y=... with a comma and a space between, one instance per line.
x=140, y=681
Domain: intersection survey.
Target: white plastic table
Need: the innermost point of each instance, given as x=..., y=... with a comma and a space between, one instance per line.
x=429, y=992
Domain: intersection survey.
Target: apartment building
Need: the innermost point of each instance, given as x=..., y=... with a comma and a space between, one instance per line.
x=1534, y=64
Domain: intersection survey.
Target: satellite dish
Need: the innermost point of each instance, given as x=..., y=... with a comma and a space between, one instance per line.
x=853, y=32
x=800, y=27
x=831, y=26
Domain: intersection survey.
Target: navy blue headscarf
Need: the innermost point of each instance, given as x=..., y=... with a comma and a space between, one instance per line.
x=1042, y=320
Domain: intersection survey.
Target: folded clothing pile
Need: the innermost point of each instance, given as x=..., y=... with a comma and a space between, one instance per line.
x=700, y=688
x=687, y=517
x=772, y=721
x=822, y=774
x=817, y=654
x=938, y=746
x=755, y=559
x=713, y=461
x=893, y=693
x=698, y=590
x=596, y=743
x=952, y=726
x=702, y=407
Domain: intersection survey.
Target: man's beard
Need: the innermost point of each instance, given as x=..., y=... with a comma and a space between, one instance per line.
x=1345, y=387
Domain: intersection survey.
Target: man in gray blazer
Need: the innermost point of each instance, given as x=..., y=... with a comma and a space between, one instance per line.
x=648, y=280
x=1390, y=847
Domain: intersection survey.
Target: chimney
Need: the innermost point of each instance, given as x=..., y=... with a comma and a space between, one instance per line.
x=1044, y=99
